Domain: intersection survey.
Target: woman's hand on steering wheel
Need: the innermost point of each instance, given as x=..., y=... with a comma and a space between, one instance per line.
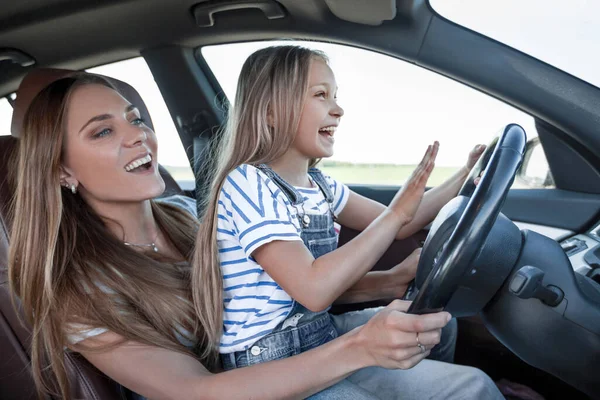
x=395, y=340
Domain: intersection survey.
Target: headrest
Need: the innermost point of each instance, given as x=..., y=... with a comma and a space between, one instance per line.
x=36, y=80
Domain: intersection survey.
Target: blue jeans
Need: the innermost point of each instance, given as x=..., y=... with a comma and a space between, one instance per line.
x=443, y=351
x=429, y=379
x=314, y=330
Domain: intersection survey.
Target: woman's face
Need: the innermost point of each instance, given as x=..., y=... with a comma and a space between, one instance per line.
x=109, y=152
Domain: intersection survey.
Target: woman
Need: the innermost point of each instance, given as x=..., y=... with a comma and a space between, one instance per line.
x=101, y=269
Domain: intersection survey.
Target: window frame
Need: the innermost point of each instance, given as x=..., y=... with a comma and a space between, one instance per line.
x=201, y=58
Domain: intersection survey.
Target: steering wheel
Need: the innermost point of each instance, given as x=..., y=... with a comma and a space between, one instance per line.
x=460, y=230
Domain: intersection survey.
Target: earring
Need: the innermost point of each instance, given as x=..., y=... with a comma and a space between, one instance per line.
x=73, y=188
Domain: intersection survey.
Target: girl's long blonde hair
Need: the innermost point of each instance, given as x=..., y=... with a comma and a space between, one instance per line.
x=260, y=128
x=69, y=270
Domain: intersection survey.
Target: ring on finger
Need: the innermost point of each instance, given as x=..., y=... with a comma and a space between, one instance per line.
x=419, y=345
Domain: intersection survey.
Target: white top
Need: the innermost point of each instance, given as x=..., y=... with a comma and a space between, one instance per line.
x=184, y=336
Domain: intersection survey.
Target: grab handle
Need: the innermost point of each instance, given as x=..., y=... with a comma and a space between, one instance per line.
x=204, y=12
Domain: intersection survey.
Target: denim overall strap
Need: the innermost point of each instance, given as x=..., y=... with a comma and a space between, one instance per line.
x=296, y=198
x=319, y=178
x=290, y=192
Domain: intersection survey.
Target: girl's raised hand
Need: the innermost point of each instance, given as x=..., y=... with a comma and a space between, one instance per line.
x=407, y=200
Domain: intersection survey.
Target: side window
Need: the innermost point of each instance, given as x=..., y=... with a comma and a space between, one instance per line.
x=171, y=154
x=535, y=171
x=6, y=111
x=393, y=110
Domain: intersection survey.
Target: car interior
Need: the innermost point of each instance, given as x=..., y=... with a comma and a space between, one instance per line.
x=528, y=288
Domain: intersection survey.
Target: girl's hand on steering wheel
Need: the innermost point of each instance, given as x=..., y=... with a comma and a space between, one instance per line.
x=395, y=340
x=401, y=275
x=475, y=155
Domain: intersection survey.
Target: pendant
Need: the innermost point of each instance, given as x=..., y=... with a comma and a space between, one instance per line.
x=305, y=220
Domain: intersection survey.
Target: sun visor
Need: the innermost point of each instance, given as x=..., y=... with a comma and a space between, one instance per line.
x=366, y=12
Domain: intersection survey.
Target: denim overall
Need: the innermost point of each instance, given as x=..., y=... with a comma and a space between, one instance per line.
x=303, y=329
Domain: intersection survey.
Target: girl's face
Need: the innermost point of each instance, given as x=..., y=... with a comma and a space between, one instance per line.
x=109, y=153
x=321, y=114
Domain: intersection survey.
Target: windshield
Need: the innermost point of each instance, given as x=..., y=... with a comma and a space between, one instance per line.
x=565, y=34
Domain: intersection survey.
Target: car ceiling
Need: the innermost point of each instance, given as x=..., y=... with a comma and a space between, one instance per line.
x=78, y=34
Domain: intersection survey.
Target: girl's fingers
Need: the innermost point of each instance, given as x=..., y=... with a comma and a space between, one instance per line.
x=424, y=159
x=426, y=173
x=421, y=174
x=430, y=338
x=408, y=353
x=399, y=305
x=418, y=323
x=436, y=148
x=414, y=360
x=427, y=154
x=430, y=154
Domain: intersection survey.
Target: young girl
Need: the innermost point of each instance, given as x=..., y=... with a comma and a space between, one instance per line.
x=268, y=246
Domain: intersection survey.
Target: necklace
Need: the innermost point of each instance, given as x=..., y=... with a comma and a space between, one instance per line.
x=143, y=245
x=151, y=245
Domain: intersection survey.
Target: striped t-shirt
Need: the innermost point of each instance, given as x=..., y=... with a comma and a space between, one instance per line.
x=253, y=211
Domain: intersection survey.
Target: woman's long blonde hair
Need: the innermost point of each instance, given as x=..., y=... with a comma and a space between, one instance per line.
x=260, y=128
x=69, y=270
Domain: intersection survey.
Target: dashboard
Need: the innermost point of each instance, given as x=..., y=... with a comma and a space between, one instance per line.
x=583, y=251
